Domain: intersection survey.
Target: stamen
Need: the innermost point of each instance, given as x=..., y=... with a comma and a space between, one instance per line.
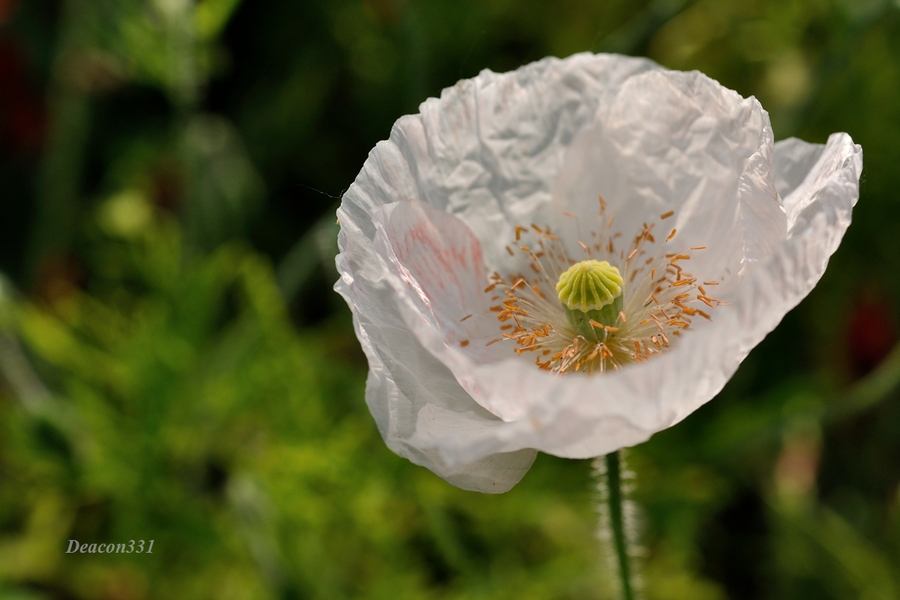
x=587, y=339
x=685, y=281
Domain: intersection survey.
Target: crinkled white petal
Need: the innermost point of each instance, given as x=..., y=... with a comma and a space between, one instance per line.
x=489, y=149
x=404, y=379
x=447, y=190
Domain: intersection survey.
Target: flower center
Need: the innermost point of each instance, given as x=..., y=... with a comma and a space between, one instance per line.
x=591, y=293
x=594, y=324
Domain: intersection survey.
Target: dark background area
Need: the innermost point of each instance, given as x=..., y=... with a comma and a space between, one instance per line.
x=175, y=366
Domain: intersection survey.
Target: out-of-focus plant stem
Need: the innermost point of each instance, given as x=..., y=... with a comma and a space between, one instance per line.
x=870, y=390
x=62, y=168
x=16, y=371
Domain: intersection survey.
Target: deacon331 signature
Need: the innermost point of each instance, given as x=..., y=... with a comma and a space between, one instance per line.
x=132, y=546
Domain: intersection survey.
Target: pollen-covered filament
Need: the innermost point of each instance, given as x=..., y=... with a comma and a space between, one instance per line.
x=614, y=307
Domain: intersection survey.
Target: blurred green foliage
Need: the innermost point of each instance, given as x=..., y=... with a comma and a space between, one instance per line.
x=175, y=367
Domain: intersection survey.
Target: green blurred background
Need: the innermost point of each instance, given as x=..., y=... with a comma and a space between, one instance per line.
x=174, y=365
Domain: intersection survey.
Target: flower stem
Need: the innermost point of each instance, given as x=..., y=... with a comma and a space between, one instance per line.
x=615, y=515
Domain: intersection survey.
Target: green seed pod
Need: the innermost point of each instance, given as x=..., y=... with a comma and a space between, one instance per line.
x=589, y=285
x=591, y=290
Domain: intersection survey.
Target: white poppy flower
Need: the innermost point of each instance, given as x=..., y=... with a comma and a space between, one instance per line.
x=531, y=260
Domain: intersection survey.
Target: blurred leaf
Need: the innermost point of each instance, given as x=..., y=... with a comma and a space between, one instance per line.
x=213, y=15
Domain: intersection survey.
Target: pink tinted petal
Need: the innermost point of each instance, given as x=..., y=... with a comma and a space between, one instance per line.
x=440, y=260
x=434, y=261
x=405, y=379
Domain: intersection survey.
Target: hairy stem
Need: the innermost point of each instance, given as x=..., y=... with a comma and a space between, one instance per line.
x=614, y=521
x=617, y=521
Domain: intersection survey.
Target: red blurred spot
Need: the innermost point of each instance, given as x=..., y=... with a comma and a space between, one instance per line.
x=872, y=332
x=7, y=7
